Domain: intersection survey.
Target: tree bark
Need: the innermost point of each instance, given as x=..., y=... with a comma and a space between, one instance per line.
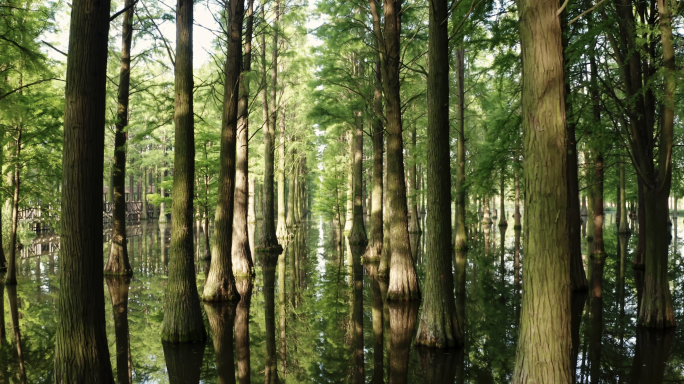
x=403, y=283
x=118, y=263
x=81, y=350
x=438, y=326
x=544, y=341
x=183, y=321
x=243, y=264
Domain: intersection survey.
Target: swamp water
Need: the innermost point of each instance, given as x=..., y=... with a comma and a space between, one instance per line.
x=330, y=309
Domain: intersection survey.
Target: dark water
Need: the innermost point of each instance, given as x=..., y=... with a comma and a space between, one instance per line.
x=328, y=307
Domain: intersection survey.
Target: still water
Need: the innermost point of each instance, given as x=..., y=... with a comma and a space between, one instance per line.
x=330, y=323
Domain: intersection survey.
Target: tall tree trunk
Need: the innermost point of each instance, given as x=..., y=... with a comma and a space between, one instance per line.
x=162, y=192
x=385, y=256
x=375, y=247
x=11, y=278
x=292, y=192
x=268, y=240
x=81, y=350
x=220, y=284
x=118, y=292
x=414, y=223
x=118, y=263
x=599, y=249
x=438, y=325
x=3, y=260
x=461, y=238
x=143, y=195
x=502, y=194
x=349, y=217
x=516, y=215
x=403, y=284
x=544, y=341
x=281, y=227
x=242, y=256
x=578, y=277
x=357, y=234
x=183, y=321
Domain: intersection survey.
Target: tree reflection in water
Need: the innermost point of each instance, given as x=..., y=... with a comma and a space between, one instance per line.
x=338, y=326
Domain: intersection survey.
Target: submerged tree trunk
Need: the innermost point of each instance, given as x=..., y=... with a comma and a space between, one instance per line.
x=118, y=263
x=183, y=321
x=438, y=326
x=502, y=214
x=81, y=349
x=403, y=283
x=220, y=284
x=544, y=341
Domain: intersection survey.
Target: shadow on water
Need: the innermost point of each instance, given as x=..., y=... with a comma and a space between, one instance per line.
x=334, y=324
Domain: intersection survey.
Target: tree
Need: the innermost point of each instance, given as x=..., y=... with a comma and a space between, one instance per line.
x=403, y=282
x=544, y=340
x=183, y=321
x=268, y=241
x=81, y=350
x=118, y=263
x=242, y=256
x=438, y=325
x=220, y=284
